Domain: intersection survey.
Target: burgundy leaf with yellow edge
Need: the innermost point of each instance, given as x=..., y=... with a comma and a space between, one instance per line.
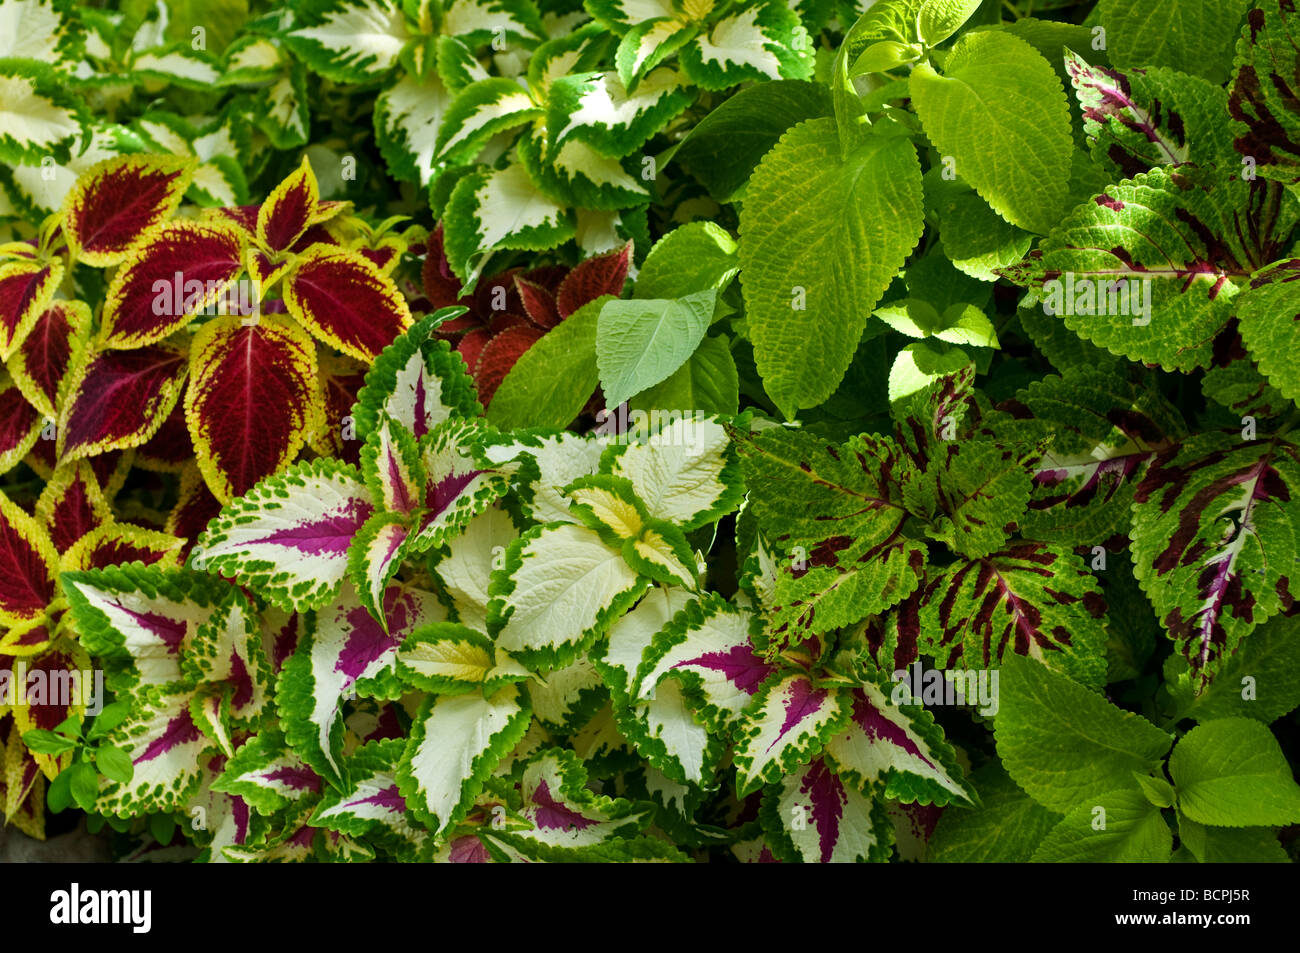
x=288, y=210
x=28, y=565
x=118, y=200
x=346, y=302
x=72, y=504
x=115, y=543
x=20, y=424
x=250, y=401
x=179, y=269
x=41, y=362
x=170, y=449
x=195, y=508
x=26, y=289
x=45, y=707
x=120, y=398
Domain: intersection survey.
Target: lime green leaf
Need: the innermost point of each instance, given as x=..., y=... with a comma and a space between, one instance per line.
x=1193, y=35
x=1007, y=827
x=1231, y=845
x=1232, y=773
x=1117, y=827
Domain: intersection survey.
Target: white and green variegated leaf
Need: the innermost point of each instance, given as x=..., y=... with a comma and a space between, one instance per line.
x=457, y=487
x=165, y=747
x=251, y=59
x=619, y=16
x=789, y=720
x=344, y=652
x=35, y=30
x=648, y=44
x=210, y=712
x=268, y=774
x=608, y=505
x=458, y=67
x=560, y=588
x=227, y=652
x=179, y=65
x=758, y=41
x=897, y=749
x=662, y=553
x=349, y=41
x=670, y=736
x=544, y=463
x=224, y=819
x=631, y=636
x=284, y=115
x=478, y=21
x=288, y=537
x=496, y=209
x=375, y=555
x=466, y=570
x=456, y=742
x=577, y=52
x=140, y=619
x=36, y=120
x=597, y=109
x=593, y=181
x=42, y=188
x=391, y=466
x=686, y=473
x=447, y=658
x=418, y=381
x=407, y=117
x=563, y=810
x=479, y=112
x=566, y=699
x=707, y=648
x=811, y=816
x=371, y=806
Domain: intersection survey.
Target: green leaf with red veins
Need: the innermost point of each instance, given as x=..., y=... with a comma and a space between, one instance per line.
x=345, y=652
x=288, y=537
x=1263, y=311
x=1263, y=90
x=1214, y=529
x=1028, y=599
x=119, y=399
x=810, y=815
x=836, y=513
x=983, y=490
x=789, y=720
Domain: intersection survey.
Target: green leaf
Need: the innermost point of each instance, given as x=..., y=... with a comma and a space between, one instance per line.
x=109, y=718
x=1006, y=828
x=997, y=89
x=1193, y=35
x=553, y=380
x=83, y=781
x=162, y=827
x=114, y=764
x=641, y=342
x=1269, y=312
x=820, y=241
x=1259, y=681
x=707, y=382
x=1117, y=827
x=1156, y=790
x=688, y=259
x=43, y=741
x=59, y=796
x=1232, y=773
x=940, y=19
x=1067, y=745
x=1227, y=845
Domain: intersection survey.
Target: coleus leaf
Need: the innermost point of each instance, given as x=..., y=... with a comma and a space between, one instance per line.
x=250, y=401
x=1214, y=540
x=806, y=315
x=669, y=736
x=810, y=815
x=789, y=720
x=563, y=810
x=289, y=209
x=210, y=711
x=407, y=117
x=71, y=504
x=166, y=748
x=1262, y=309
x=346, y=301
x=1231, y=772
x=391, y=465
x=597, y=109
x=372, y=806
x=1141, y=118
x=374, y=557
x=631, y=636
x=561, y=586
x=20, y=424
x=116, y=201
x=480, y=111
x=466, y=570
x=544, y=463
x=26, y=291
x=38, y=118
x=418, y=381
x=176, y=271
x=566, y=699
x=44, y=706
x=345, y=651
x=457, y=487
x=1135, y=832
x=112, y=543
x=30, y=565
x=1027, y=599
x=141, y=619
x=267, y=774
x=456, y=743
x=1268, y=131
x=983, y=490
x=227, y=653
x=763, y=40
x=119, y=399
x=447, y=658
x=40, y=364
x=349, y=41
x=288, y=537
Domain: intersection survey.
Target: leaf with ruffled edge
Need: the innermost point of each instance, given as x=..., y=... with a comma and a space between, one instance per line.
x=457, y=486
x=811, y=816
x=789, y=720
x=26, y=291
x=116, y=201
x=543, y=463
x=372, y=807
x=227, y=652
x=267, y=774
x=466, y=570
x=40, y=364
